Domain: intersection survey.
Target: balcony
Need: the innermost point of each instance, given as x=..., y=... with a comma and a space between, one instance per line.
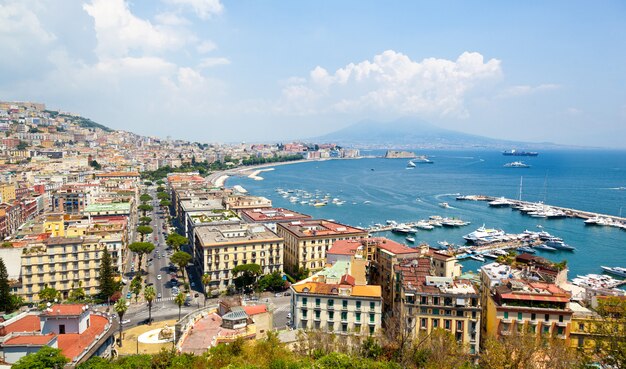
x=561, y=324
x=372, y=322
x=330, y=307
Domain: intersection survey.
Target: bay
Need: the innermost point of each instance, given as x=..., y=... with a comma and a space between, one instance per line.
x=377, y=189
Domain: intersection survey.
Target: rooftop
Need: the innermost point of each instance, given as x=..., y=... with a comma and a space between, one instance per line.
x=241, y=233
x=320, y=228
x=273, y=215
x=117, y=174
x=320, y=288
x=114, y=206
x=65, y=310
x=29, y=339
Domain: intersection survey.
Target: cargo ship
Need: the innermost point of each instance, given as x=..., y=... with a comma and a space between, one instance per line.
x=519, y=153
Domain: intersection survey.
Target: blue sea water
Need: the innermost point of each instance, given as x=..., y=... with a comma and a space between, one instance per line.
x=376, y=190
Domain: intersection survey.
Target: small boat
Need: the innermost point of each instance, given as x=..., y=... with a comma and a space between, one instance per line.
x=558, y=244
x=410, y=239
x=444, y=205
x=422, y=224
x=500, y=252
x=526, y=249
x=410, y=164
x=319, y=204
x=545, y=247
x=477, y=258
x=500, y=203
x=616, y=270
x=423, y=159
x=490, y=255
x=516, y=164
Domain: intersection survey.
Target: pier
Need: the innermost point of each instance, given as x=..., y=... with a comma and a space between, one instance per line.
x=617, y=221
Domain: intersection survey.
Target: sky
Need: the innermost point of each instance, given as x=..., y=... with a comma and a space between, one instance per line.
x=269, y=71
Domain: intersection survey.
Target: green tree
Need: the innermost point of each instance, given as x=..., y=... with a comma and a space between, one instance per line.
x=181, y=259
x=163, y=196
x=174, y=240
x=22, y=145
x=206, y=284
x=246, y=275
x=149, y=294
x=48, y=294
x=609, y=330
x=148, y=183
x=179, y=300
x=145, y=220
x=160, y=182
x=273, y=281
x=135, y=286
x=145, y=198
x=106, y=284
x=145, y=208
x=165, y=203
x=78, y=294
x=5, y=289
x=141, y=249
x=160, y=189
x=120, y=308
x=95, y=165
x=46, y=358
x=144, y=230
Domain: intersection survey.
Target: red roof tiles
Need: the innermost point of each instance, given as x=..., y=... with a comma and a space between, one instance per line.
x=72, y=344
x=64, y=310
x=36, y=339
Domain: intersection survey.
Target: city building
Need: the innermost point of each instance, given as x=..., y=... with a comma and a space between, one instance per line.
x=270, y=216
x=307, y=241
x=221, y=247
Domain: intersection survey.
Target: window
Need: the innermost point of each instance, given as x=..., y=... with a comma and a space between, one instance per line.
x=304, y=301
x=546, y=329
x=560, y=330
x=358, y=317
x=61, y=328
x=424, y=300
x=331, y=303
x=435, y=323
x=581, y=326
x=447, y=323
x=547, y=317
x=533, y=316
x=317, y=314
x=317, y=302
x=435, y=300
x=371, y=330
x=560, y=318
x=506, y=315
x=423, y=323
x=304, y=311
x=520, y=316
x=344, y=315
x=344, y=304
x=435, y=311
x=344, y=327
x=331, y=315
x=358, y=305
x=459, y=325
x=372, y=318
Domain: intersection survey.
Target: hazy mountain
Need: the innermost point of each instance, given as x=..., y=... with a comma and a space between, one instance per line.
x=412, y=133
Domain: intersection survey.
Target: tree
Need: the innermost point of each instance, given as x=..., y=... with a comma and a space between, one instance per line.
x=145, y=198
x=174, y=240
x=273, y=281
x=141, y=249
x=46, y=358
x=181, y=259
x=609, y=330
x=160, y=189
x=144, y=230
x=206, y=284
x=165, y=203
x=149, y=294
x=301, y=273
x=163, y=196
x=135, y=286
x=106, y=283
x=145, y=208
x=5, y=289
x=145, y=220
x=246, y=275
x=95, y=165
x=22, y=145
x=121, y=307
x=160, y=182
x=78, y=294
x=179, y=300
x=48, y=294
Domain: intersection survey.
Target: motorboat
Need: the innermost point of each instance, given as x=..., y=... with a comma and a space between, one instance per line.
x=451, y=222
x=422, y=224
x=444, y=205
x=558, y=244
x=526, y=249
x=483, y=234
x=615, y=270
x=516, y=164
x=477, y=258
x=501, y=203
x=410, y=164
x=545, y=247
x=410, y=239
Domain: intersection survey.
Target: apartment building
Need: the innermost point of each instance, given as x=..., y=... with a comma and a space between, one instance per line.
x=307, y=241
x=270, y=216
x=221, y=247
x=341, y=308
x=425, y=303
x=64, y=264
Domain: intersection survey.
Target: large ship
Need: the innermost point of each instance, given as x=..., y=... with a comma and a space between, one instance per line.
x=519, y=153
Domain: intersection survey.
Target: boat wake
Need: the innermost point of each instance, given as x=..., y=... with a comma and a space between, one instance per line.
x=446, y=195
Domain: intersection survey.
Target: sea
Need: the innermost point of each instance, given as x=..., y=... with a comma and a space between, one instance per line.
x=376, y=190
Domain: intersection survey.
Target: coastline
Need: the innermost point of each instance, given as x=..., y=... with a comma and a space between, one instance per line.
x=218, y=179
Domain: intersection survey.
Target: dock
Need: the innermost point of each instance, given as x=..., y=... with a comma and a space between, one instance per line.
x=617, y=221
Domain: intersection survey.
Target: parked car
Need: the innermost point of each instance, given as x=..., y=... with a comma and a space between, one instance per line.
x=287, y=293
x=129, y=295
x=159, y=295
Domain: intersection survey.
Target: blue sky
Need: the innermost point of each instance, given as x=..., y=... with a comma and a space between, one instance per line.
x=215, y=71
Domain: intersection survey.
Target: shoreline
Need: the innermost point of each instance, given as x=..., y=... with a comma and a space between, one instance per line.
x=218, y=179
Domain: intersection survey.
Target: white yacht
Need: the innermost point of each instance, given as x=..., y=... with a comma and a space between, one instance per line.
x=483, y=234
x=501, y=203
x=615, y=270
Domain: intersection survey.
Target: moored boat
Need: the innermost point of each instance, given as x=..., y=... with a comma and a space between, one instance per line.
x=545, y=247
x=615, y=270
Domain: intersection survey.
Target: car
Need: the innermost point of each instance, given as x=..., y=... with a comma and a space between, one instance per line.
x=287, y=294
x=125, y=321
x=159, y=295
x=278, y=295
x=149, y=284
x=288, y=315
x=129, y=295
x=159, y=277
x=193, y=284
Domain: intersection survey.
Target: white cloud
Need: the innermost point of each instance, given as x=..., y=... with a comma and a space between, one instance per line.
x=522, y=90
x=171, y=19
x=119, y=31
x=203, y=8
x=206, y=47
x=392, y=83
x=212, y=62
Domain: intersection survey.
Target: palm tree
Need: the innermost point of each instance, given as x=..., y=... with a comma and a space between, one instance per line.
x=120, y=307
x=206, y=281
x=179, y=300
x=149, y=294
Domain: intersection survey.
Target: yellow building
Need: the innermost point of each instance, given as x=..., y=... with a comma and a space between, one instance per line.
x=64, y=264
x=307, y=241
x=7, y=191
x=54, y=225
x=220, y=248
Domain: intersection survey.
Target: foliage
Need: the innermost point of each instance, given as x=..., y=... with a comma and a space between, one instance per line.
x=95, y=165
x=144, y=230
x=181, y=259
x=163, y=196
x=174, y=240
x=246, y=275
x=106, y=283
x=145, y=208
x=273, y=281
x=145, y=220
x=141, y=249
x=165, y=203
x=77, y=294
x=5, y=289
x=120, y=308
x=301, y=273
x=610, y=331
x=274, y=159
x=23, y=145
x=145, y=198
x=148, y=183
x=135, y=286
x=48, y=294
x=179, y=300
x=46, y=357
x=149, y=294
x=160, y=189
